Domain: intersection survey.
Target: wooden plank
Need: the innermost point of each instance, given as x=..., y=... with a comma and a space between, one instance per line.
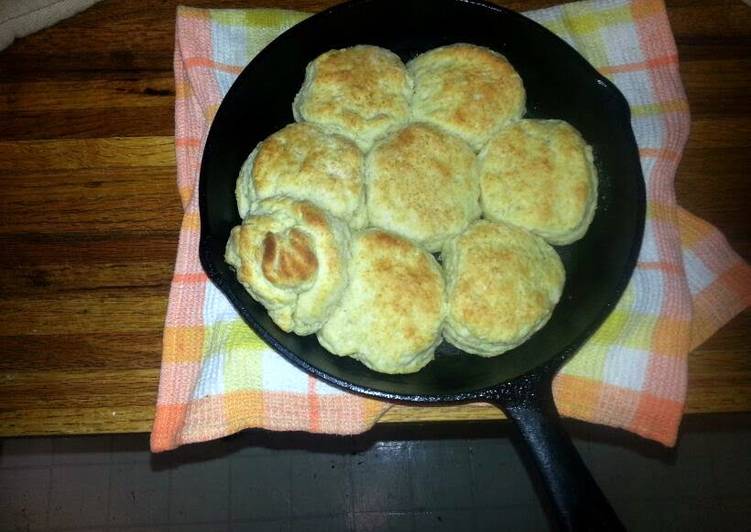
x=720, y=382
x=727, y=131
x=717, y=86
x=719, y=376
x=97, y=94
x=84, y=123
x=725, y=20
x=97, y=420
x=421, y=414
x=725, y=171
x=91, y=201
x=40, y=249
x=74, y=154
x=66, y=352
x=86, y=389
x=124, y=309
x=34, y=281
x=141, y=106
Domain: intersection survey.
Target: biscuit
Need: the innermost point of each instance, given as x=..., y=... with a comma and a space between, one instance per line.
x=468, y=90
x=305, y=163
x=421, y=183
x=539, y=175
x=391, y=313
x=291, y=257
x=502, y=285
x=362, y=92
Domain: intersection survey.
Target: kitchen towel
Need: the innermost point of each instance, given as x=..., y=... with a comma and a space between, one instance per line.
x=218, y=377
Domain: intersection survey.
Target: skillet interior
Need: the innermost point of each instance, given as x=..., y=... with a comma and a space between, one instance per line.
x=559, y=83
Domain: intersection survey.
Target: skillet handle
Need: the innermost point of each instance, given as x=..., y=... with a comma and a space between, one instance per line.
x=577, y=500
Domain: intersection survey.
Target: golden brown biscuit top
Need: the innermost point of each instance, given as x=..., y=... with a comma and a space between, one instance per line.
x=421, y=183
x=467, y=89
x=404, y=275
x=304, y=162
x=288, y=260
x=503, y=281
x=353, y=70
x=359, y=92
x=539, y=174
x=391, y=313
x=300, y=154
x=291, y=256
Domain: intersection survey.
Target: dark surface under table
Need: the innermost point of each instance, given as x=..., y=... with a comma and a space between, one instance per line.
x=454, y=477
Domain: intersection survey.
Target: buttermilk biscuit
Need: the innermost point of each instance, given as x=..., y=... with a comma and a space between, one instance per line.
x=391, y=313
x=291, y=257
x=539, y=175
x=502, y=285
x=421, y=183
x=305, y=163
x=361, y=92
x=467, y=90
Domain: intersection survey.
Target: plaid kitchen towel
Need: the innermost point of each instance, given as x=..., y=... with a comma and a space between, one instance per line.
x=218, y=377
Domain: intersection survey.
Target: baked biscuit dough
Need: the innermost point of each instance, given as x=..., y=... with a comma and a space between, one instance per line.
x=502, y=286
x=421, y=183
x=468, y=90
x=305, y=163
x=540, y=175
x=362, y=92
x=292, y=258
x=391, y=313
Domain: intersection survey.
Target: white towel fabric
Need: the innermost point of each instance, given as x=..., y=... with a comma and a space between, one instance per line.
x=19, y=18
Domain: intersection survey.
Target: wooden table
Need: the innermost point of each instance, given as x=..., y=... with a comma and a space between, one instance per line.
x=90, y=211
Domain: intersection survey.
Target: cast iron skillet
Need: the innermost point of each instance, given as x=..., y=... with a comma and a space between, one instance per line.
x=560, y=84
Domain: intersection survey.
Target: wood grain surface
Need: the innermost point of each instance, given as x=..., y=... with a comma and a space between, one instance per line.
x=90, y=211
